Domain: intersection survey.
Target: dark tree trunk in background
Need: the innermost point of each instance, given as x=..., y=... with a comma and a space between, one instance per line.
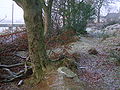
x=98, y=16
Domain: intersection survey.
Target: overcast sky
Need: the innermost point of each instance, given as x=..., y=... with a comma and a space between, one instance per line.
x=6, y=10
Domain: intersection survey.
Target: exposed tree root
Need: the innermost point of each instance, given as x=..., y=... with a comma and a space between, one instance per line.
x=27, y=71
x=11, y=66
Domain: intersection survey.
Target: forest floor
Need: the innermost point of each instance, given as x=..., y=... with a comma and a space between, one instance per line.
x=101, y=72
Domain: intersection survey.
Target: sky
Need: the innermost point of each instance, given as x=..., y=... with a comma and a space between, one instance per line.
x=6, y=11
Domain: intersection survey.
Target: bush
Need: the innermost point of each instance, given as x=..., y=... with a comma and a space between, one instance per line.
x=64, y=38
x=77, y=16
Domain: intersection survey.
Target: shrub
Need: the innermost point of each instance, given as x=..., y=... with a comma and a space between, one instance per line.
x=66, y=37
x=77, y=15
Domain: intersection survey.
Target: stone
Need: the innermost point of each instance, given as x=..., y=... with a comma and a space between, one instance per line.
x=69, y=74
x=66, y=72
x=76, y=79
x=22, y=54
x=112, y=30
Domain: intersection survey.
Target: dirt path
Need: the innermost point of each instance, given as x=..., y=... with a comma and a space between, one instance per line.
x=101, y=73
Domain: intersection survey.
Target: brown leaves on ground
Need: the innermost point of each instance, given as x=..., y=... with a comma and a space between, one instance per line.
x=62, y=39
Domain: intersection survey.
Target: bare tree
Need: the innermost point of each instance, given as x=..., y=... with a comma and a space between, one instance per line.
x=98, y=4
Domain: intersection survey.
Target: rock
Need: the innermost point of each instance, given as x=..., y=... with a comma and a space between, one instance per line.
x=76, y=79
x=112, y=30
x=93, y=51
x=67, y=72
x=22, y=54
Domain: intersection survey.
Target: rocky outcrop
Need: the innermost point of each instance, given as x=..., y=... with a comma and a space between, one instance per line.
x=22, y=54
x=112, y=30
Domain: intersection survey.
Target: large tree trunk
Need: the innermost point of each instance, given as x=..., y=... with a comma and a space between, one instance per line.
x=36, y=41
x=34, y=23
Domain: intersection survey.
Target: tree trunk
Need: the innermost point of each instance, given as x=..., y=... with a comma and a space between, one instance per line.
x=47, y=25
x=33, y=20
x=47, y=11
x=98, y=16
x=34, y=23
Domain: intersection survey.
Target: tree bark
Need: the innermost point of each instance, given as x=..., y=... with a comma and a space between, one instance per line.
x=47, y=25
x=98, y=12
x=100, y=3
x=34, y=23
x=98, y=16
x=47, y=15
x=47, y=12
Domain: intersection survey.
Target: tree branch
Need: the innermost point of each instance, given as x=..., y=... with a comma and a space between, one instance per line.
x=19, y=3
x=43, y=4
